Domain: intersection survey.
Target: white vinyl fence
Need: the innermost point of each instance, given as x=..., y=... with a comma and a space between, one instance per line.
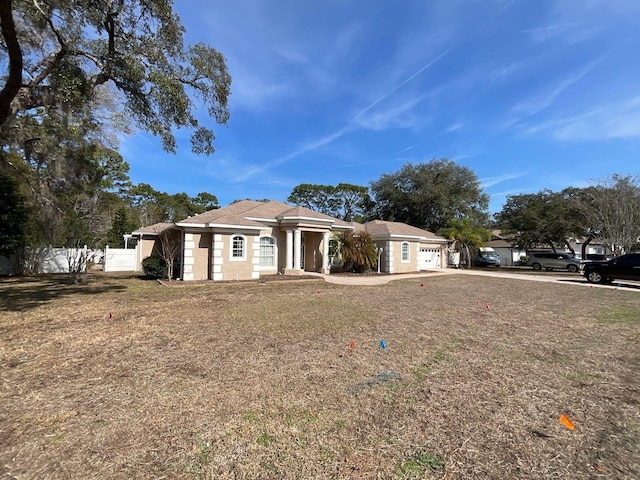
x=52, y=260
x=120, y=259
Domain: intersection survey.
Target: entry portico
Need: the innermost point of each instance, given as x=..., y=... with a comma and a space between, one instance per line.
x=317, y=231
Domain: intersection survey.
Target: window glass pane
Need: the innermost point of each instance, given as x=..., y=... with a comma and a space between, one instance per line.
x=267, y=252
x=237, y=247
x=405, y=251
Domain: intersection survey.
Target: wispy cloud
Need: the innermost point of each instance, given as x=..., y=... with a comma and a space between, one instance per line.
x=491, y=181
x=398, y=86
x=454, y=127
x=548, y=32
x=411, y=147
x=355, y=123
x=606, y=121
x=396, y=116
x=541, y=101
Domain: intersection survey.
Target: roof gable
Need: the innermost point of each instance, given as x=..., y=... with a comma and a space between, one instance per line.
x=248, y=213
x=155, y=229
x=382, y=228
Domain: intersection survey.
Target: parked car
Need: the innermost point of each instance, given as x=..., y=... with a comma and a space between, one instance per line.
x=626, y=267
x=554, y=260
x=598, y=257
x=486, y=259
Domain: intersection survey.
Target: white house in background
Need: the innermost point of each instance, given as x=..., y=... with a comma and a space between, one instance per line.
x=509, y=255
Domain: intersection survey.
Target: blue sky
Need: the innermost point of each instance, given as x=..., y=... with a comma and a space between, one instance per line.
x=529, y=94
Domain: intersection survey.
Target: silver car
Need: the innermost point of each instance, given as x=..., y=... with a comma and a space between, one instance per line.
x=554, y=261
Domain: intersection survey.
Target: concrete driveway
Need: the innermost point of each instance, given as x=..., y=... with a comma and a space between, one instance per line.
x=576, y=280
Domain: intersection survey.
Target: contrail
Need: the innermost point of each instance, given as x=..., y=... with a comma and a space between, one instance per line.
x=399, y=85
x=347, y=128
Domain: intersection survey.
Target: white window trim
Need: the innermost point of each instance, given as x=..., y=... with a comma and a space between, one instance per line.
x=402, y=259
x=275, y=254
x=244, y=248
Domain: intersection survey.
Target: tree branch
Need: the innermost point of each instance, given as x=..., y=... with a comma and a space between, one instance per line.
x=14, y=80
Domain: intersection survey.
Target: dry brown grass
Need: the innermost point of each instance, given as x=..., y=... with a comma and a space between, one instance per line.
x=258, y=381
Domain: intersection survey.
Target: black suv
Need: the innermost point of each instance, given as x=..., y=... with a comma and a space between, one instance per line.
x=626, y=267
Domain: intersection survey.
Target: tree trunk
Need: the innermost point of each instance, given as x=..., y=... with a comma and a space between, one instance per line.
x=14, y=79
x=584, y=247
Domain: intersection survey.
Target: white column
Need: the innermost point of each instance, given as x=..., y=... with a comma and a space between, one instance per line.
x=188, y=259
x=325, y=252
x=297, y=241
x=217, y=260
x=289, y=250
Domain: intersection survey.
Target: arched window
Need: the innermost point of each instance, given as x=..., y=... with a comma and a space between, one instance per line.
x=238, y=247
x=405, y=251
x=267, y=252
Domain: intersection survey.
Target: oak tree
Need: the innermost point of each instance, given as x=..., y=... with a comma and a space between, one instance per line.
x=429, y=195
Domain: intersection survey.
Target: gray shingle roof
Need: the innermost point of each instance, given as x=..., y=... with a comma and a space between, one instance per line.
x=249, y=213
x=154, y=229
x=381, y=228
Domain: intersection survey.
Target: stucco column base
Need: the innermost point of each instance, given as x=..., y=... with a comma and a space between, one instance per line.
x=325, y=271
x=293, y=271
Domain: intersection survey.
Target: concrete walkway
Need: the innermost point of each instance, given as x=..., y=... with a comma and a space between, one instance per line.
x=577, y=280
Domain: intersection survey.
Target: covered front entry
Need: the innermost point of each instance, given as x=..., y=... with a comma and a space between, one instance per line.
x=306, y=250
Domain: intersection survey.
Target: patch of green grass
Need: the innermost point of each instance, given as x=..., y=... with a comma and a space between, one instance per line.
x=201, y=458
x=584, y=378
x=419, y=463
x=420, y=372
x=442, y=354
x=271, y=468
x=620, y=314
x=56, y=438
x=265, y=439
x=340, y=424
x=280, y=316
x=301, y=442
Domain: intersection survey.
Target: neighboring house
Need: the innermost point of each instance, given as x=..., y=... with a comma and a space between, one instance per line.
x=247, y=239
x=593, y=248
x=406, y=248
x=509, y=255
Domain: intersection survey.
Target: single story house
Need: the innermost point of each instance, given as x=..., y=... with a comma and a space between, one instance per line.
x=406, y=248
x=509, y=255
x=248, y=238
x=148, y=240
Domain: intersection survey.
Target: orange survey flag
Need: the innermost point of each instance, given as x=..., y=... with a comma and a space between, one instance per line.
x=566, y=422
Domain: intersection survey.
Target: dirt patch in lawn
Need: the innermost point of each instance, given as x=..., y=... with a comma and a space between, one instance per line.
x=123, y=378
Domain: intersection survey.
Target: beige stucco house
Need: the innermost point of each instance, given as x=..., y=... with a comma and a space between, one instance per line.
x=148, y=240
x=405, y=248
x=248, y=239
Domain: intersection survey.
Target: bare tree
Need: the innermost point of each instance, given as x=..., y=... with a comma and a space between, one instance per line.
x=169, y=249
x=78, y=259
x=614, y=210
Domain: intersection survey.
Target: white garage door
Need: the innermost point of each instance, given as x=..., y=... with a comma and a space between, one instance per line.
x=429, y=258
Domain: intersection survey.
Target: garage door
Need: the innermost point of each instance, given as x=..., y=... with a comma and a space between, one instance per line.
x=429, y=258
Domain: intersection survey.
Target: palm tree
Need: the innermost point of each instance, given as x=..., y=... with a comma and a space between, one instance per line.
x=358, y=250
x=465, y=235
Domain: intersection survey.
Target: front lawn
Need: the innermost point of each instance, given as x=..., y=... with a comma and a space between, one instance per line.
x=125, y=378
